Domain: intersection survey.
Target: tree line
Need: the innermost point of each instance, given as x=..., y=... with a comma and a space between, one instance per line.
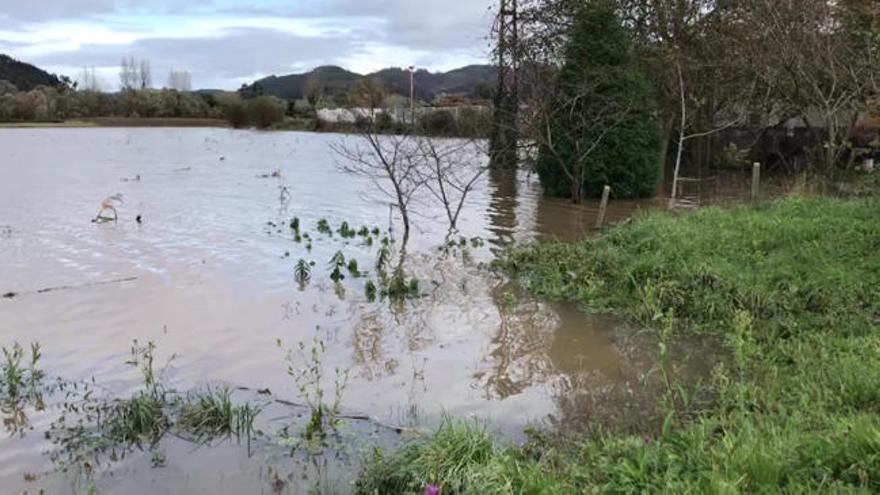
x=613, y=91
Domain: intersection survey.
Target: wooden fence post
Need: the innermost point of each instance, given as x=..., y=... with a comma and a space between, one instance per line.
x=600, y=220
x=756, y=181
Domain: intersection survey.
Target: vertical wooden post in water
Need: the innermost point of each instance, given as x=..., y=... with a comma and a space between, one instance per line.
x=603, y=206
x=756, y=181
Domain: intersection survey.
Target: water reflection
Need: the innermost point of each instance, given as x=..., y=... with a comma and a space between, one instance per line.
x=503, y=184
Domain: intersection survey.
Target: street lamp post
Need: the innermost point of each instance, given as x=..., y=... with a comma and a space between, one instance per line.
x=412, y=95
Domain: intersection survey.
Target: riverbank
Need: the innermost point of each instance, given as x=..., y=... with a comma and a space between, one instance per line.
x=790, y=286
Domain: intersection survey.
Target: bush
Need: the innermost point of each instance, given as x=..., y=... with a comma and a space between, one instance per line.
x=236, y=113
x=439, y=123
x=265, y=111
x=600, y=57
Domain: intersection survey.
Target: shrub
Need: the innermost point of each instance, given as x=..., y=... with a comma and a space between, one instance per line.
x=236, y=113
x=439, y=123
x=265, y=111
x=600, y=58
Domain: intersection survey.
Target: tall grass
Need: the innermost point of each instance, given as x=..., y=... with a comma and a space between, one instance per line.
x=792, y=287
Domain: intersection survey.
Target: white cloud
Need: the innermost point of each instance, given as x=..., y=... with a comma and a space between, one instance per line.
x=227, y=42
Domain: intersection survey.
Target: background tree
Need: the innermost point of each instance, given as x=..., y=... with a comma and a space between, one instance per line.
x=597, y=124
x=144, y=75
x=88, y=80
x=179, y=80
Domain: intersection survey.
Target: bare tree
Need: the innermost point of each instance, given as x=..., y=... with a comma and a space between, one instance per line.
x=824, y=71
x=88, y=80
x=450, y=170
x=128, y=74
x=179, y=80
x=144, y=75
x=390, y=162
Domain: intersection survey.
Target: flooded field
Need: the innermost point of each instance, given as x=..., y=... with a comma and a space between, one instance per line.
x=208, y=276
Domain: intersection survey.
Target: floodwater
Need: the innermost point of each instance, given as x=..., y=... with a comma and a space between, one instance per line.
x=209, y=277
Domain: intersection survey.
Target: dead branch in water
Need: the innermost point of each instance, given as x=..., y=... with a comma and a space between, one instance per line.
x=10, y=295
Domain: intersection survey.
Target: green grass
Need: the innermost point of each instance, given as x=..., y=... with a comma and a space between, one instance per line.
x=791, y=287
x=211, y=414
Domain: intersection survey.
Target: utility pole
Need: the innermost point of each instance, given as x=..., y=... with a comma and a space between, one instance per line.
x=503, y=144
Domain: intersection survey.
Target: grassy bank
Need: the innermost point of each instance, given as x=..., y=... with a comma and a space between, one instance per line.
x=792, y=287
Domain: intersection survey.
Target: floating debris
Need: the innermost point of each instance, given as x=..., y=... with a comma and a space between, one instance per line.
x=109, y=204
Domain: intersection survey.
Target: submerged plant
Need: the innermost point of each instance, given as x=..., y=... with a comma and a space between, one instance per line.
x=353, y=268
x=324, y=227
x=364, y=231
x=21, y=386
x=370, y=290
x=382, y=260
x=337, y=263
x=211, y=414
x=399, y=287
x=305, y=367
x=294, y=224
x=345, y=231
x=302, y=271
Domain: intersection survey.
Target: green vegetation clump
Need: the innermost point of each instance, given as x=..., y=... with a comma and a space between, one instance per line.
x=211, y=414
x=345, y=231
x=601, y=80
x=791, y=287
x=458, y=458
x=324, y=227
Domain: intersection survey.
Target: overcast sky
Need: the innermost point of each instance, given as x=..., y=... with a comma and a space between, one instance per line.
x=224, y=43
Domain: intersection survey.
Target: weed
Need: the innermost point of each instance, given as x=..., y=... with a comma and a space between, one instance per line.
x=158, y=458
x=211, y=414
x=302, y=272
x=294, y=224
x=382, y=260
x=337, y=263
x=353, y=268
x=306, y=368
x=399, y=287
x=363, y=232
x=370, y=290
x=345, y=231
x=324, y=227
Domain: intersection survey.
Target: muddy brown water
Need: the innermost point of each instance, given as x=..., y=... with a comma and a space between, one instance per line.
x=209, y=278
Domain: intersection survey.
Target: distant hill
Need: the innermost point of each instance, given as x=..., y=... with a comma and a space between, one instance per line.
x=25, y=76
x=334, y=81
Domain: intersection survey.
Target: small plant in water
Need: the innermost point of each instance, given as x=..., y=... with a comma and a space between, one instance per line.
x=324, y=227
x=337, y=263
x=211, y=414
x=302, y=272
x=363, y=232
x=400, y=288
x=305, y=367
x=353, y=268
x=370, y=290
x=21, y=386
x=382, y=260
x=345, y=231
x=294, y=224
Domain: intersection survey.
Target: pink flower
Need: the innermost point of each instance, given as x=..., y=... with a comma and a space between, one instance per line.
x=432, y=490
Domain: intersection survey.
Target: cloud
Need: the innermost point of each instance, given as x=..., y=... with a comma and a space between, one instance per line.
x=227, y=42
